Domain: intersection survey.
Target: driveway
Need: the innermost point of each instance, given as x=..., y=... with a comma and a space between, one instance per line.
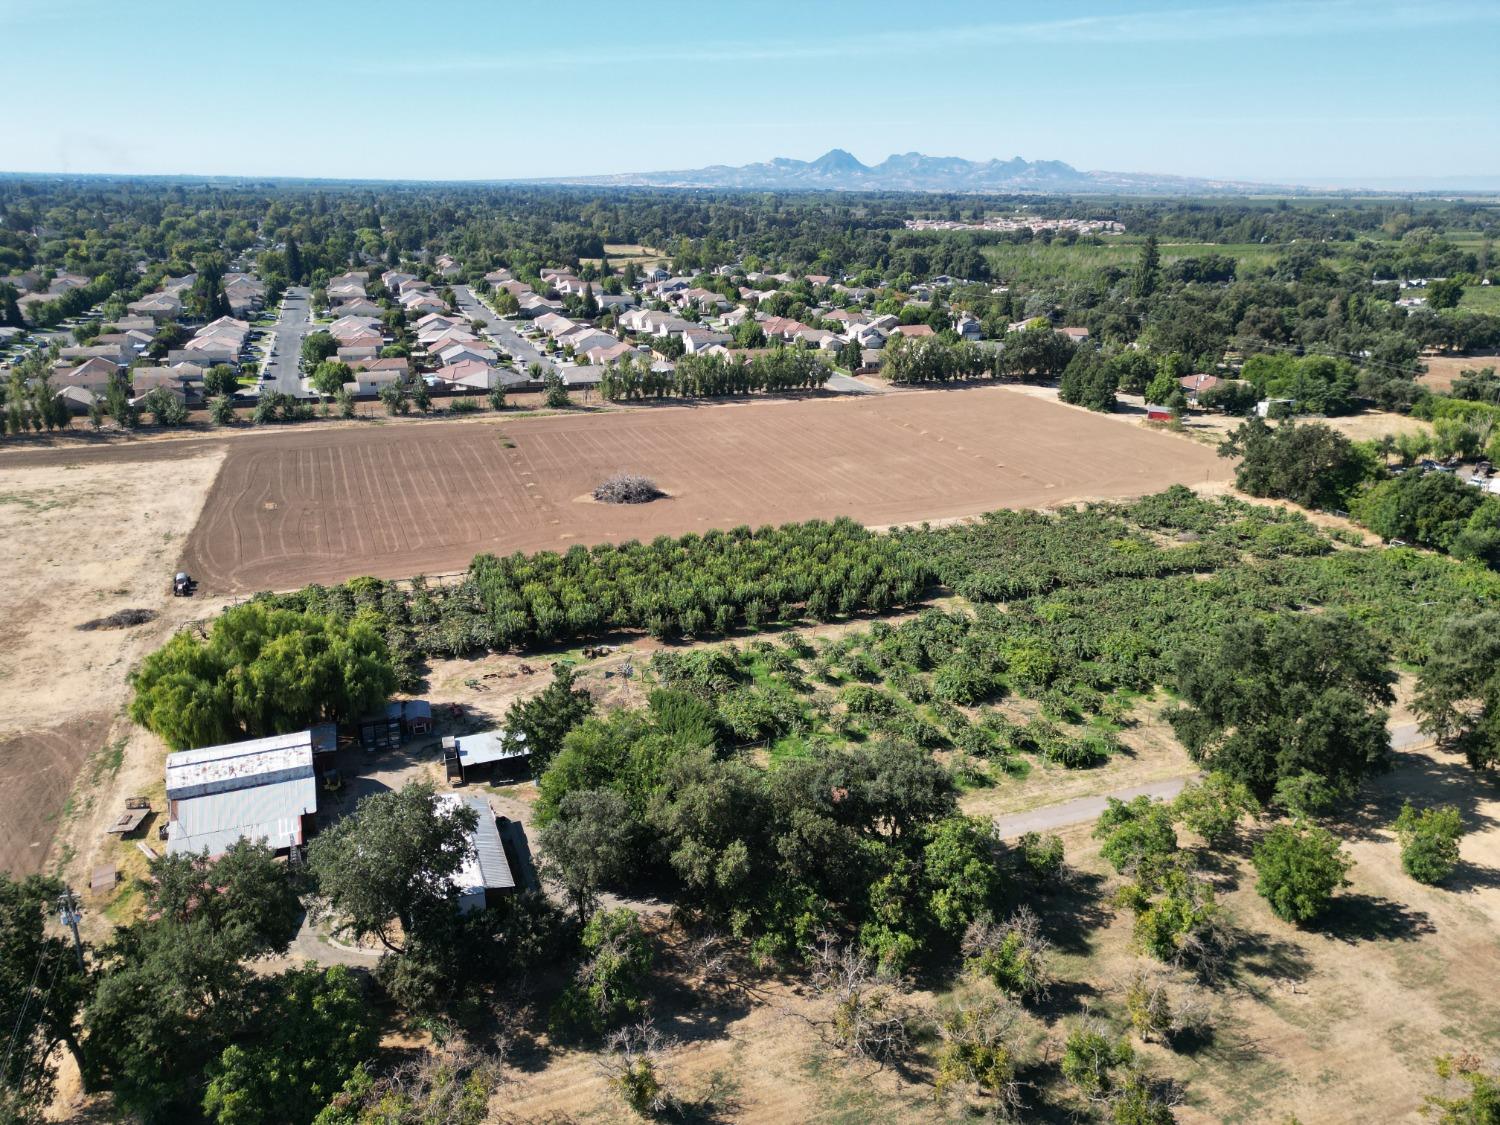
x=292, y=327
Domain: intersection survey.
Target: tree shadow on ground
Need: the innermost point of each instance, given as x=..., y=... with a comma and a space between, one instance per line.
x=1072, y=911
x=1354, y=918
x=1427, y=782
x=1067, y=998
x=1253, y=961
x=1468, y=877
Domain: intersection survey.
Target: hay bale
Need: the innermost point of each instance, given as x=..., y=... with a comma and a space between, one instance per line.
x=627, y=488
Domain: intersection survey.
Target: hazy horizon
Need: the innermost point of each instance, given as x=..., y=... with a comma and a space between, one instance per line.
x=1313, y=93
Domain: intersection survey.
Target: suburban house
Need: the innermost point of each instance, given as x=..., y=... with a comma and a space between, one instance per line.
x=92, y=375
x=603, y=356
x=914, y=331
x=534, y=306
x=584, y=339
x=158, y=306
x=417, y=300
x=116, y=354
x=360, y=306
x=1194, y=385
x=263, y=789
x=468, y=352
x=696, y=340
x=1077, y=335
x=397, y=366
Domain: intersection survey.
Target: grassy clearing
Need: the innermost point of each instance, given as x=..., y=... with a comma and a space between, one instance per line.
x=1482, y=299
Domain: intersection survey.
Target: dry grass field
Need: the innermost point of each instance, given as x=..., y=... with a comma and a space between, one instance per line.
x=86, y=536
x=1443, y=369
x=393, y=501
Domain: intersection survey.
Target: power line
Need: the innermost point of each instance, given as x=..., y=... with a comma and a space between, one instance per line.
x=21, y=1015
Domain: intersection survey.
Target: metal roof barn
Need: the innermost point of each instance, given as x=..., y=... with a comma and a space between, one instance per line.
x=486, y=870
x=261, y=789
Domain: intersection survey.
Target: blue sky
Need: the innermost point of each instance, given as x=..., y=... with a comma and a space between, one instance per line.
x=1306, y=91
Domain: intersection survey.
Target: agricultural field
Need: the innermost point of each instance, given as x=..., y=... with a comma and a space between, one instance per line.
x=391, y=502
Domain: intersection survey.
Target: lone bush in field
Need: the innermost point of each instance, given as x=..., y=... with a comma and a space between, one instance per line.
x=1015, y=955
x=1137, y=834
x=1429, y=841
x=627, y=488
x=1041, y=857
x=1300, y=867
x=978, y=1057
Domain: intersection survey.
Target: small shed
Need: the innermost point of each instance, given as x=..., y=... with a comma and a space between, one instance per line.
x=416, y=715
x=1158, y=414
x=470, y=752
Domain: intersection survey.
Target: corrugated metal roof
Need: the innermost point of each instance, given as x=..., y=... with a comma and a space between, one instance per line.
x=489, y=746
x=486, y=867
x=272, y=812
x=236, y=765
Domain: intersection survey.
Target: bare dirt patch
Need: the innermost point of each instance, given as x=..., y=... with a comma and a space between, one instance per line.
x=88, y=535
x=292, y=509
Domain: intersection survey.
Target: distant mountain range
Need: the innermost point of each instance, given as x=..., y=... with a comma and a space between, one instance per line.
x=837, y=170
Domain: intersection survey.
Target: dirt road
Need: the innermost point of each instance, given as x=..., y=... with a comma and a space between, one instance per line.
x=1082, y=810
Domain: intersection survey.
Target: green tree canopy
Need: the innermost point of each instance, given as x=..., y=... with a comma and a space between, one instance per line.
x=316, y=347
x=312, y=1029
x=261, y=671
x=246, y=894
x=390, y=864
x=1272, y=698
x=1088, y=381
x=1458, y=687
x=1311, y=464
x=42, y=989
x=545, y=718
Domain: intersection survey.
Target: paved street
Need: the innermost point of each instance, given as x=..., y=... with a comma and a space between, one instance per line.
x=292, y=326
x=502, y=331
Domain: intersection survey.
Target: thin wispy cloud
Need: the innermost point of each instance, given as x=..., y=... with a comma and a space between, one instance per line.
x=1291, y=19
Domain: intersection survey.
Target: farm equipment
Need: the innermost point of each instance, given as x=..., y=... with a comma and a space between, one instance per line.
x=183, y=585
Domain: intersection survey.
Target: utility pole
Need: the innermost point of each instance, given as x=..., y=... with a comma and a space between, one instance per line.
x=70, y=913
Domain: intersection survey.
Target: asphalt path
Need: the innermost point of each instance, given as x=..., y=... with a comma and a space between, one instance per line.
x=1084, y=810
x=292, y=327
x=502, y=331
x=844, y=385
